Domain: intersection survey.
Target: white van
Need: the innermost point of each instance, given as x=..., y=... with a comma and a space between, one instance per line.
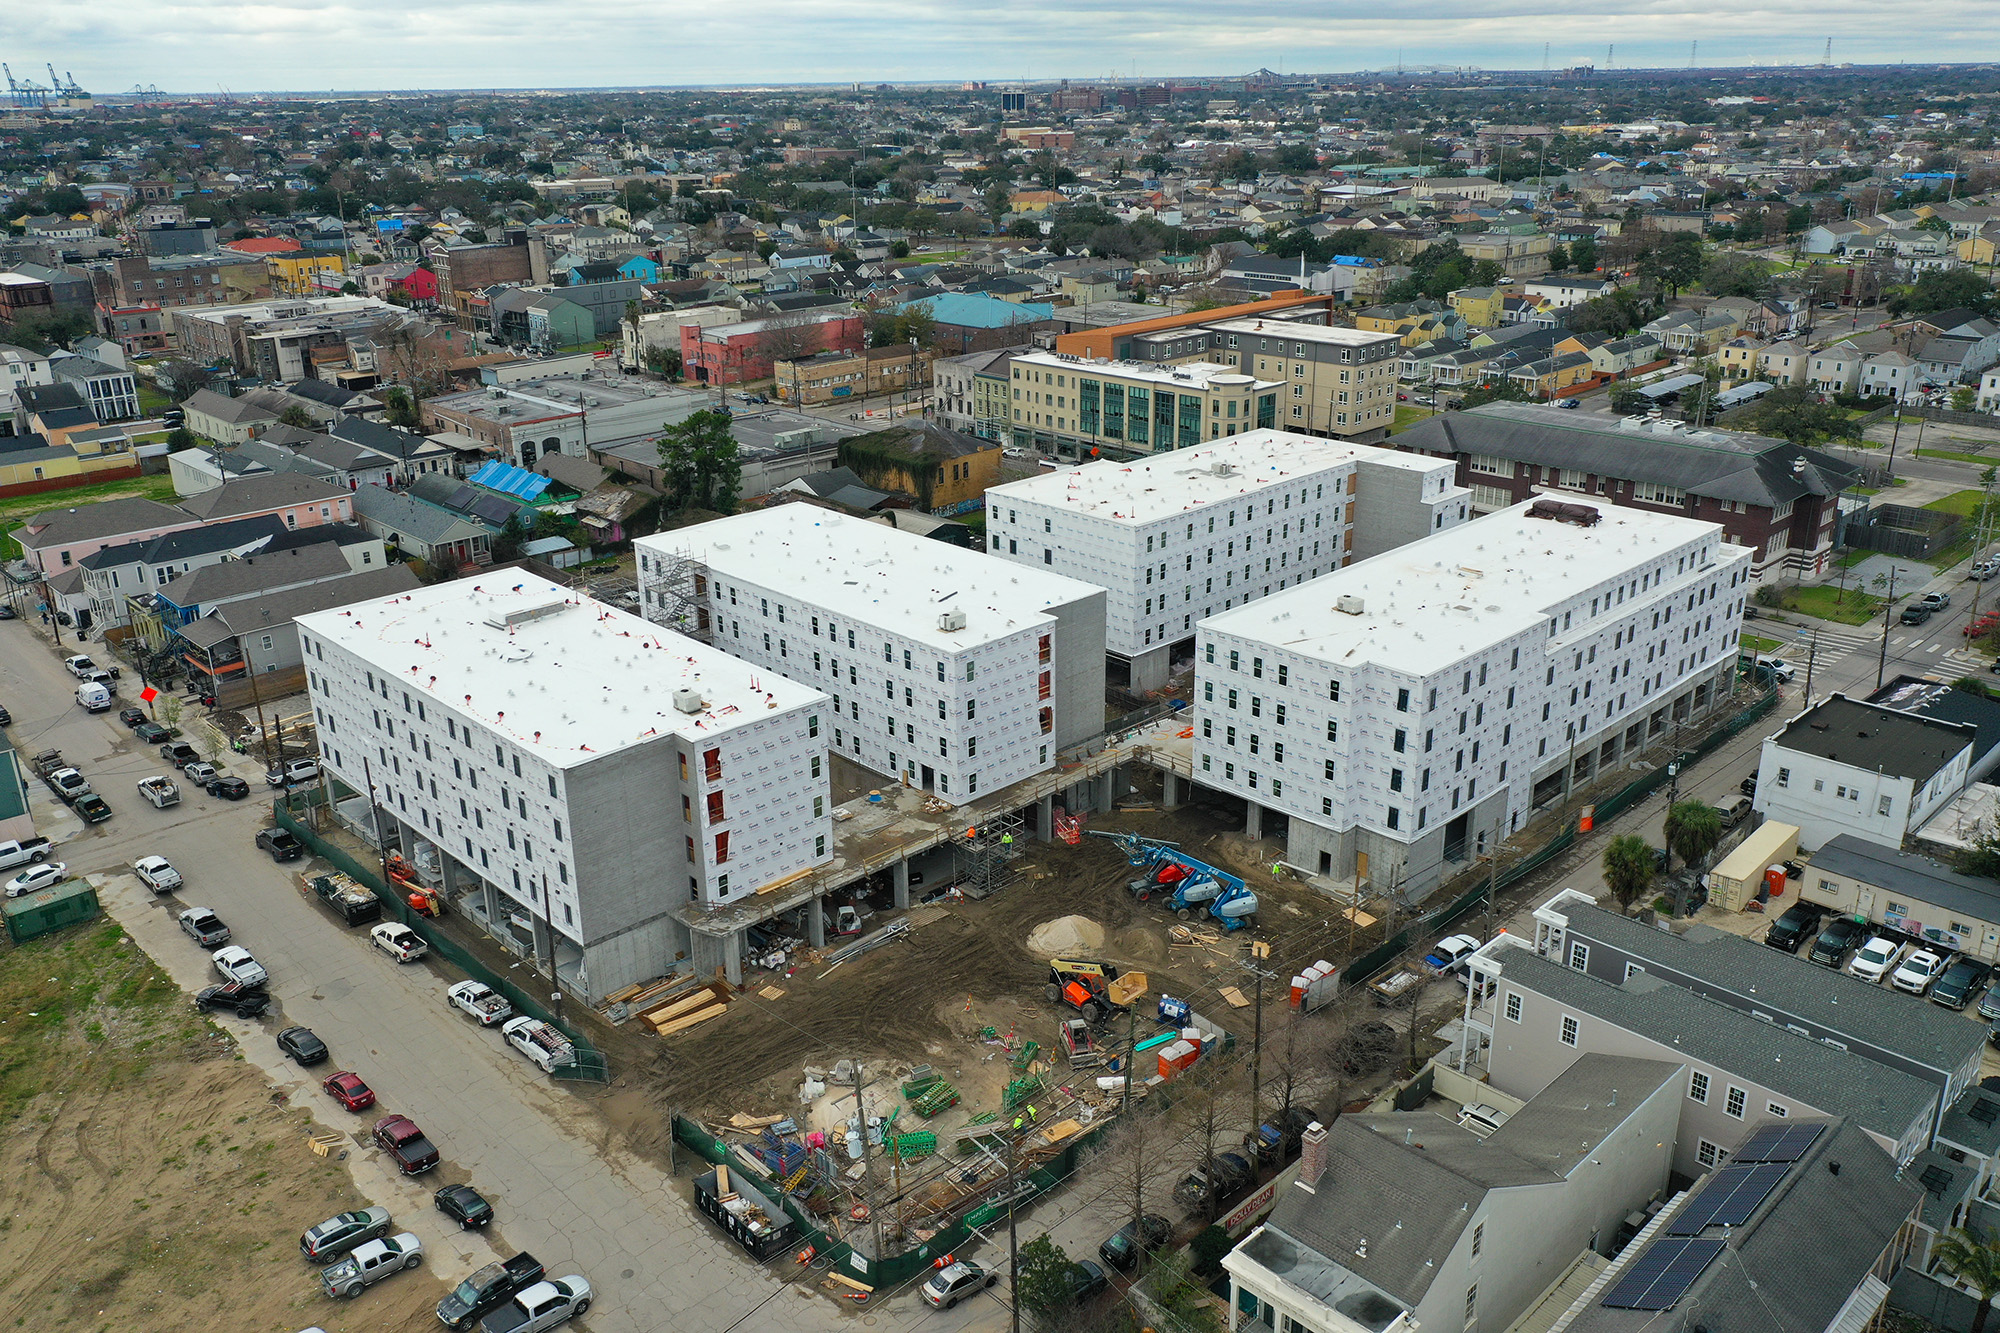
x=94, y=697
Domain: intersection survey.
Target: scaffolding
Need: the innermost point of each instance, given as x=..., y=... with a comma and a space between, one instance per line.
x=983, y=856
x=681, y=597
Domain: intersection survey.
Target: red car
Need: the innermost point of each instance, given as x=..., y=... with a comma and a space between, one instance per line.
x=348, y=1089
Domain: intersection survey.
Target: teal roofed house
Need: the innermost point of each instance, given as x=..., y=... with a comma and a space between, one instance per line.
x=968, y=322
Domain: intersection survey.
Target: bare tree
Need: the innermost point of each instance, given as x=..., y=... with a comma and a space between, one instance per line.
x=1134, y=1162
x=791, y=336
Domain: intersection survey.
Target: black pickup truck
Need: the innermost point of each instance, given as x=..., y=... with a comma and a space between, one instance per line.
x=488, y=1288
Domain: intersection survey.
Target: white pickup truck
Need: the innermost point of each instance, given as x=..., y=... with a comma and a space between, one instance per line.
x=161, y=791
x=370, y=1262
x=69, y=784
x=22, y=851
x=481, y=1001
x=540, y=1042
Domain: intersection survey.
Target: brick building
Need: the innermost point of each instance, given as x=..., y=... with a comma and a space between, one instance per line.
x=745, y=351
x=1770, y=495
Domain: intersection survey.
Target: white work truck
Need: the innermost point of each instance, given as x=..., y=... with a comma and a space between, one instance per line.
x=540, y=1042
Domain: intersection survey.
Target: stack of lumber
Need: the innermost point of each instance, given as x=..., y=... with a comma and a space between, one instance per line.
x=697, y=1006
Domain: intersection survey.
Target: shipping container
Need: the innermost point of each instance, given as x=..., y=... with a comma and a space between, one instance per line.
x=38, y=914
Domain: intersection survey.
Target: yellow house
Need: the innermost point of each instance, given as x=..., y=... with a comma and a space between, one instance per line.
x=1782, y=363
x=1033, y=201
x=1979, y=248
x=103, y=454
x=1739, y=356
x=1412, y=322
x=1481, y=307
x=294, y=272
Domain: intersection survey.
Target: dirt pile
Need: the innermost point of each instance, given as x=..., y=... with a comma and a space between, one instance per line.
x=1066, y=935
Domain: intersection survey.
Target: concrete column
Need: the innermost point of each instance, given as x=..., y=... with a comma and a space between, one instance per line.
x=1149, y=669
x=544, y=942
x=732, y=957
x=1253, y=822
x=1045, y=819
x=899, y=880
x=816, y=922
x=1170, y=795
x=489, y=899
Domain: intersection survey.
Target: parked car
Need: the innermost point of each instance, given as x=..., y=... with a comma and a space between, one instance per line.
x=399, y=942
x=80, y=666
x=487, y=1288
x=1837, y=941
x=1915, y=614
x=399, y=1136
x=1231, y=1172
x=92, y=809
x=292, y=771
x=347, y=1088
x=150, y=733
x=204, y=927
x=1983, y=569
x=179, y=753
x=243, y=1001
x=337, y=1235
x=543, y=1043
x=1989, y=1004
x=281, y=844
x=1800, y=923
x=481, y=1001
x=201, y=773
x=132, y=717
x=370, y=1262
x=1123, y=1247
x=1877, y=958
x=1984, y=624
x=37, y=877
x=228, y=786
x=1748, y=786
x=1961, y=983
x=1779, y=668
x=6, y=718
x=1087, y=1281
x=1449, y=954
x=954, y=1282
x=157, y=874
x=303, y=1045
x=1936, y=601
x=1918, y=971
x=465, y=1206
x=540, y=1307
x=234, y=963
x=1733, y=810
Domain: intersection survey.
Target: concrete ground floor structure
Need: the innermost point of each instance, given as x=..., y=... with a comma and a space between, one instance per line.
x=1357, y=862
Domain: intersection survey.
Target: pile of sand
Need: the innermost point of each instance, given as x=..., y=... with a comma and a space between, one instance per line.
x=1066, y=935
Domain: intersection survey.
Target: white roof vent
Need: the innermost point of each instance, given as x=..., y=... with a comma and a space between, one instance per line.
x=688, y=701
x=953, y=619
x=1350, y=604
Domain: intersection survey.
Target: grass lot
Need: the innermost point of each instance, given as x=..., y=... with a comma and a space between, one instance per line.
x=1962, y=503
x=1753, y=643
x=15, y=509
x=932, y=257
x=1956, y=456
x=1850, y=608
x=151, y=401
x=1407, y=416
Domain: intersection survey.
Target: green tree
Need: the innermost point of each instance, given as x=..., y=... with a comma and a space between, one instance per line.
x=1693, y=829
x=1941, y=289
x=1972, y=1255
x=1583, y=254
x=1733, y=273
x=299, y=417
x=180, y=437
x=1790, y=413
x=1207, y=1249
x=1501, y=390
x=899, y=249
x=1558, y=258
x=700, y=463
x=401, y=411
x=1629, y=864
x=1043, y=1285
x=663, y=361
x=1680, y=261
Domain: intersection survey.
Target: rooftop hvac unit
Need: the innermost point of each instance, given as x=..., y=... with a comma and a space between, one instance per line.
x=951, y=620
x=1350, y=604
x=688, y=701
x=796, y=439
x=527, y=615
x=1220, y=468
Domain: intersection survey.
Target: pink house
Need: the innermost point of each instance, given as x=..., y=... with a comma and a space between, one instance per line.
x=55, y=539
x=303, y=502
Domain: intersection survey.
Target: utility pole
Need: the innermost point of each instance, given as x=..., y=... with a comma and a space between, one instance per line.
x=1889, y=470
x=1258, y=950
x=1812, y=656
x=1882, y=662
x=1013, y=1239
x=868, y=1164
x=381, y=834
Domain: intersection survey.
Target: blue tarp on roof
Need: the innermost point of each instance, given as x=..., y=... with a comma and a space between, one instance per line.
x=510, y=480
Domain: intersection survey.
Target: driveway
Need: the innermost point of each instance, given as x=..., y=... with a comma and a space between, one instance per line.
x=559, y=1189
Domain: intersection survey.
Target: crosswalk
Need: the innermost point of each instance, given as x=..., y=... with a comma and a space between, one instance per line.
x=1828, y=646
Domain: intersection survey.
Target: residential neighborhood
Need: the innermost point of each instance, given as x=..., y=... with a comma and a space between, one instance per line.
x=1430, y=744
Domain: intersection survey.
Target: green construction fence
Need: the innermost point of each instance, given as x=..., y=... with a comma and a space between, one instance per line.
x=590, y=1066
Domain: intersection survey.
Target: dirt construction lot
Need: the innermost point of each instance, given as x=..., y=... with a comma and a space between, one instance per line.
x=969, y=965
x=151, y=1179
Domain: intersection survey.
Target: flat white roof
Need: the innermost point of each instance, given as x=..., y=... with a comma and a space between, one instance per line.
x=876, y=574
x=1456, y=592
x=577, y=682
x=1148, y=489
x=1315, y=333
x=1196, y=374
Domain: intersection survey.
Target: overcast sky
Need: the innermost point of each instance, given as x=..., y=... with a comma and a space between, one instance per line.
x=309, y=45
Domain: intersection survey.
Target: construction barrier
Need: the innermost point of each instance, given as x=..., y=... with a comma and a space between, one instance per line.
x=590, y=1066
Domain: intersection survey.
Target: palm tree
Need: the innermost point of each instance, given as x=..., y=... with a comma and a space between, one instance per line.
x=1973, y=1256
x=1693, y=829
x=1628, y=868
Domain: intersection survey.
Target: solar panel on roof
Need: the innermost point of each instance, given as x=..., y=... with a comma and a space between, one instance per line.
x=1662, y=1275
x=1728, y=1199
x=1935, y=1180
x=1984, y=1111
x=1778, y=1143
